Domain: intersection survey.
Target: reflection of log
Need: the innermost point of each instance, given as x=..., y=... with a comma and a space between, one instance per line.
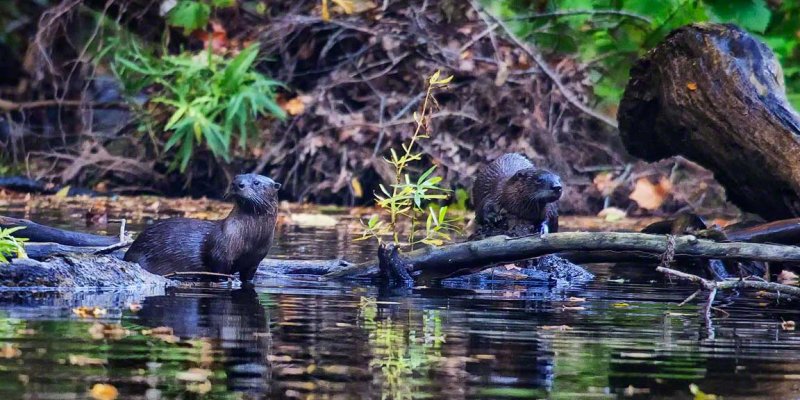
x=468, y=257
x=41, y=233
x=714, y=94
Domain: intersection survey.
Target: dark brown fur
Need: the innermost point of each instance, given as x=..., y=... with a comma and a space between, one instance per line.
x=512, y=196
x=237, y=243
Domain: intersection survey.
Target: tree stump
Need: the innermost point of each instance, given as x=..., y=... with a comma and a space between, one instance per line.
x=714, y=94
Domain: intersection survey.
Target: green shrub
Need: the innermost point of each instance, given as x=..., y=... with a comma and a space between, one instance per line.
x=212, y=100
x=608, y=36
x=10, y=245
x=413, y=200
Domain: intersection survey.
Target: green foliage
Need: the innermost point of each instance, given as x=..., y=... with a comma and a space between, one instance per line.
x=212, y=99
x=608, y=36
x=10, y=245
x=194, y=14
x=411, y=200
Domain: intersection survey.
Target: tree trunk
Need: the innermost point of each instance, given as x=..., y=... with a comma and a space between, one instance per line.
x=714, y=94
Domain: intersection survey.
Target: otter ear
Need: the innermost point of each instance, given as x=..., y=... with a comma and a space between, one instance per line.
x=276, y=185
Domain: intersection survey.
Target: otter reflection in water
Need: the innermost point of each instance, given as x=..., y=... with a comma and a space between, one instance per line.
x=233, y=320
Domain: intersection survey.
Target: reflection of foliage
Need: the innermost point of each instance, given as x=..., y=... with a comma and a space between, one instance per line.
x=408, y=199
x=608, y=36
x=398, y=352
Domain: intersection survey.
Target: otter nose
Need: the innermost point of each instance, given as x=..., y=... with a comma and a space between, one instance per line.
x=556, y=188
x=240, y=185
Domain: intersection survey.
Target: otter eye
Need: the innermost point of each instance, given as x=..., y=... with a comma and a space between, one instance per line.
x=256, y=183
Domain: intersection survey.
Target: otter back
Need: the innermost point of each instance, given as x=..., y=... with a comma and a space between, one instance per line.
x=171, y=245
x=491, y=178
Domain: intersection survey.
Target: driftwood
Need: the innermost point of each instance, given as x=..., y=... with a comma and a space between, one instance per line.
x=469, y=257
x=714, y=94
x=41, y=233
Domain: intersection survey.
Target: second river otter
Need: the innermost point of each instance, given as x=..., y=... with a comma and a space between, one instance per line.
x=513, y=197
x=237, y=243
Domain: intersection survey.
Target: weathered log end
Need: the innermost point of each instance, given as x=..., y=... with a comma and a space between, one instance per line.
x=714, y=94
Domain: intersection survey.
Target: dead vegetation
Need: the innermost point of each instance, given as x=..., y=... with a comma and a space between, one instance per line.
x=353, y=83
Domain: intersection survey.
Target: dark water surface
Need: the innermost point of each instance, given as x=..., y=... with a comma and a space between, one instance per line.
x=315, y=340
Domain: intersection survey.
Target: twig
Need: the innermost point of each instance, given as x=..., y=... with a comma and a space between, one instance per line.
x=537, y=58
x=570, y=13
x=7, y=105
x=198, y=273
x=114, y=247
x=690, y=298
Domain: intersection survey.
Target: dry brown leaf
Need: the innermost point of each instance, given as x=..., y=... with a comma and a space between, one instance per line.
x=89, y=312
x=612, y=214
x=787, y=277
x=10, y=351
x=605, y=183
x=651, y=196
x=81, y=360
x=193, y=375
x=104, y=391
x=691, y=86
x=358, y=190
x=788, y=325
x=296, y=106
x=560, y=328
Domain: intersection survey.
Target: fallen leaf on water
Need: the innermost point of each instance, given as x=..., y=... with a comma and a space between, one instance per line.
x=89, y=312
x=788, y=325
x=787, y=277
x=691, y=86
x=620, y=305
x=314, y=220
x=81, y=360
x=571, y=308
x=199, y=388
x=104, y=391
x=576, y=299
x=651, y=196
x=612, y=214
x=10, y=351
x=631, y=391
x=164, y=333
x=100, y=331
x=193, y=375
x=699, y=395
x=560, y=328
x=26, y=332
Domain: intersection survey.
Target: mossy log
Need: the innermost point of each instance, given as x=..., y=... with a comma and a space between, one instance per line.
x=715, y=95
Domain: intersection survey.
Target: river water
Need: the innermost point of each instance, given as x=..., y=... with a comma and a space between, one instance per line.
x=610, y=338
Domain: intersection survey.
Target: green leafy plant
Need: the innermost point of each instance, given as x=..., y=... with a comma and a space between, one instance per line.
x=194, y=14
x=608, y=36
x=10, y=245
x=212, y=100
x=411, y=199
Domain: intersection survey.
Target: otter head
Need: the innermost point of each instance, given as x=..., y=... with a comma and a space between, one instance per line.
x=255, y=193
x=535, y=186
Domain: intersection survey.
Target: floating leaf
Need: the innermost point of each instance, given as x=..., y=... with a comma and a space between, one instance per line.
x=104, y=391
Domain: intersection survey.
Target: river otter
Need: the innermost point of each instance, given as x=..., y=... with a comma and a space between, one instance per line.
x=237, y=243
x=513, y=197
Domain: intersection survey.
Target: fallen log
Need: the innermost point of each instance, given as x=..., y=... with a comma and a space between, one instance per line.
x=469, y=257
x=40, y=233
x=714, y=94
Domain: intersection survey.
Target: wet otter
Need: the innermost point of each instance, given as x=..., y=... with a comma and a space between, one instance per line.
x=237, y=243
x=513, y=197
